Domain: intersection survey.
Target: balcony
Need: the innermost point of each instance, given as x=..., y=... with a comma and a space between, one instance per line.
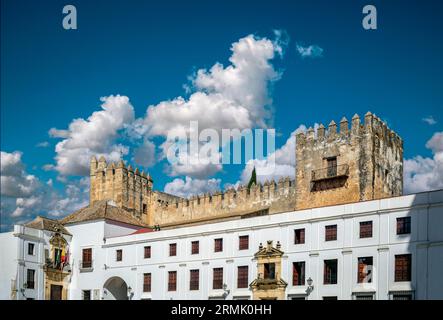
x=330, y=173
x=86, y=266
x=51, y=265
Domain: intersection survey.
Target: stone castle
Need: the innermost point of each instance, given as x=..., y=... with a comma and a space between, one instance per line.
x=363, y=162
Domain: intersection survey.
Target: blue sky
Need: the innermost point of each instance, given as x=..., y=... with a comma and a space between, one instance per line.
x=146, y=50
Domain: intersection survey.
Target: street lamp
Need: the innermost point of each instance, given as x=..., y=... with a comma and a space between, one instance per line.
x=129, y=293
x=310, y=287
x=226, y=290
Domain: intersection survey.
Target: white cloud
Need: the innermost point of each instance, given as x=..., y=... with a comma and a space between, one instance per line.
x=15, y=182
x=189, y=186
x=235, y=96
x=42, y=144
x=93, y=136
x=429, y=120
x=423, y=174
x=279, y=164
x=145, y=154
x=312, y=51
x=24, y=195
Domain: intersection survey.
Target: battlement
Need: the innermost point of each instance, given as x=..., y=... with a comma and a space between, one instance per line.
x=363, y=162
x=371, y=125
x=129, y=188
x=270, y=197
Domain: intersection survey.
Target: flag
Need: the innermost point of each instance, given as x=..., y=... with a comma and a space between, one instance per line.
x=253, y=179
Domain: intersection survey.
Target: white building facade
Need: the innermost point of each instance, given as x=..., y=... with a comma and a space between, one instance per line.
x=381, y=249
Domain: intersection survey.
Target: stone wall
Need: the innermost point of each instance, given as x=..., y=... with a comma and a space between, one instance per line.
x=369, y=163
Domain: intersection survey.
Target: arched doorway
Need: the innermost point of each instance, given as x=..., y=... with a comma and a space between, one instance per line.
x=115, y=288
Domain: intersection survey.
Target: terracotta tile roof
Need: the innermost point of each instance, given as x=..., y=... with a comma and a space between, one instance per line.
x=102, y=210
x=42, y=223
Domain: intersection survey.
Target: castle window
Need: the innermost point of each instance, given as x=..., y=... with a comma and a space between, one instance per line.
x=331, y=232
x=404, y=225
x=242, y=277
x=198, y=200
x=146, y=282
x=119, y=255
x=330, y=271
x=194, y=279
x=147, y=252
x=364, y=274
x=243, y=243
x=30, y=279
x=298, y=273
x=299, y=236
x=218, y=245
x=31, y=247
x=332, y=166
x=172, y=280
x=366, y=229
x=269, y=271
x=172, y=249
x=217, y=278
x=176, y=205
x=402, y=267
x=210, y=199
x=195, y=247
x=144, y=208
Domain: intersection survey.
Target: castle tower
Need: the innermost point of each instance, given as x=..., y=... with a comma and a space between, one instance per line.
x=336, y=167
x=127, y=188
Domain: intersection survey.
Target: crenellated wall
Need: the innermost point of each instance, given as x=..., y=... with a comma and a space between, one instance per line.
x=369, y=163
x=128, y=188
x=268, y=198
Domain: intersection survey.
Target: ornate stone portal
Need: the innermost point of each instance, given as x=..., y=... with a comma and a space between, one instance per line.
x=56, y=271
x=269, y=285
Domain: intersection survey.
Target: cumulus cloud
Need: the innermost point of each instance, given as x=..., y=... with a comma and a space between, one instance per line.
x=424, y=173
x=23, y=195
x=144, y=155
x=15, y=182
x=312, y=51
x=235, y=96
x=93, y=136
x=429, y=120
x=279, y=164
x=189, y=186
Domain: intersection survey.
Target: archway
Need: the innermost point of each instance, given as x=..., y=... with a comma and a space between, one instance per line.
x=115, y=288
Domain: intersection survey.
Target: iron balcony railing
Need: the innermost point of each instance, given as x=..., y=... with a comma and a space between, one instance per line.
x=330, y=172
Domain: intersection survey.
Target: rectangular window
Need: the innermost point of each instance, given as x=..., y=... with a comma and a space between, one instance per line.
x=145, y=208
x=269, y=271
x=147, y=252
x=364, y=274
x=404, y=225
x=218, y=245
x=86, y=294
x=366, y=229
x=330, y=271
x=30, y=279
x=86, y=258
x=243, y=243
x=242, y=277
x=298, y=273
x=332, y=166
x=146, y=282
x=172, y=249
x=403, y=267
x=195, y=247
x=299, y=236
x=31, y=249
x=330, y=298
x=217, y=278
x=331, y=232
x=172, y=280
x=364, y=297
x=194, y=279
x=119, y=255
